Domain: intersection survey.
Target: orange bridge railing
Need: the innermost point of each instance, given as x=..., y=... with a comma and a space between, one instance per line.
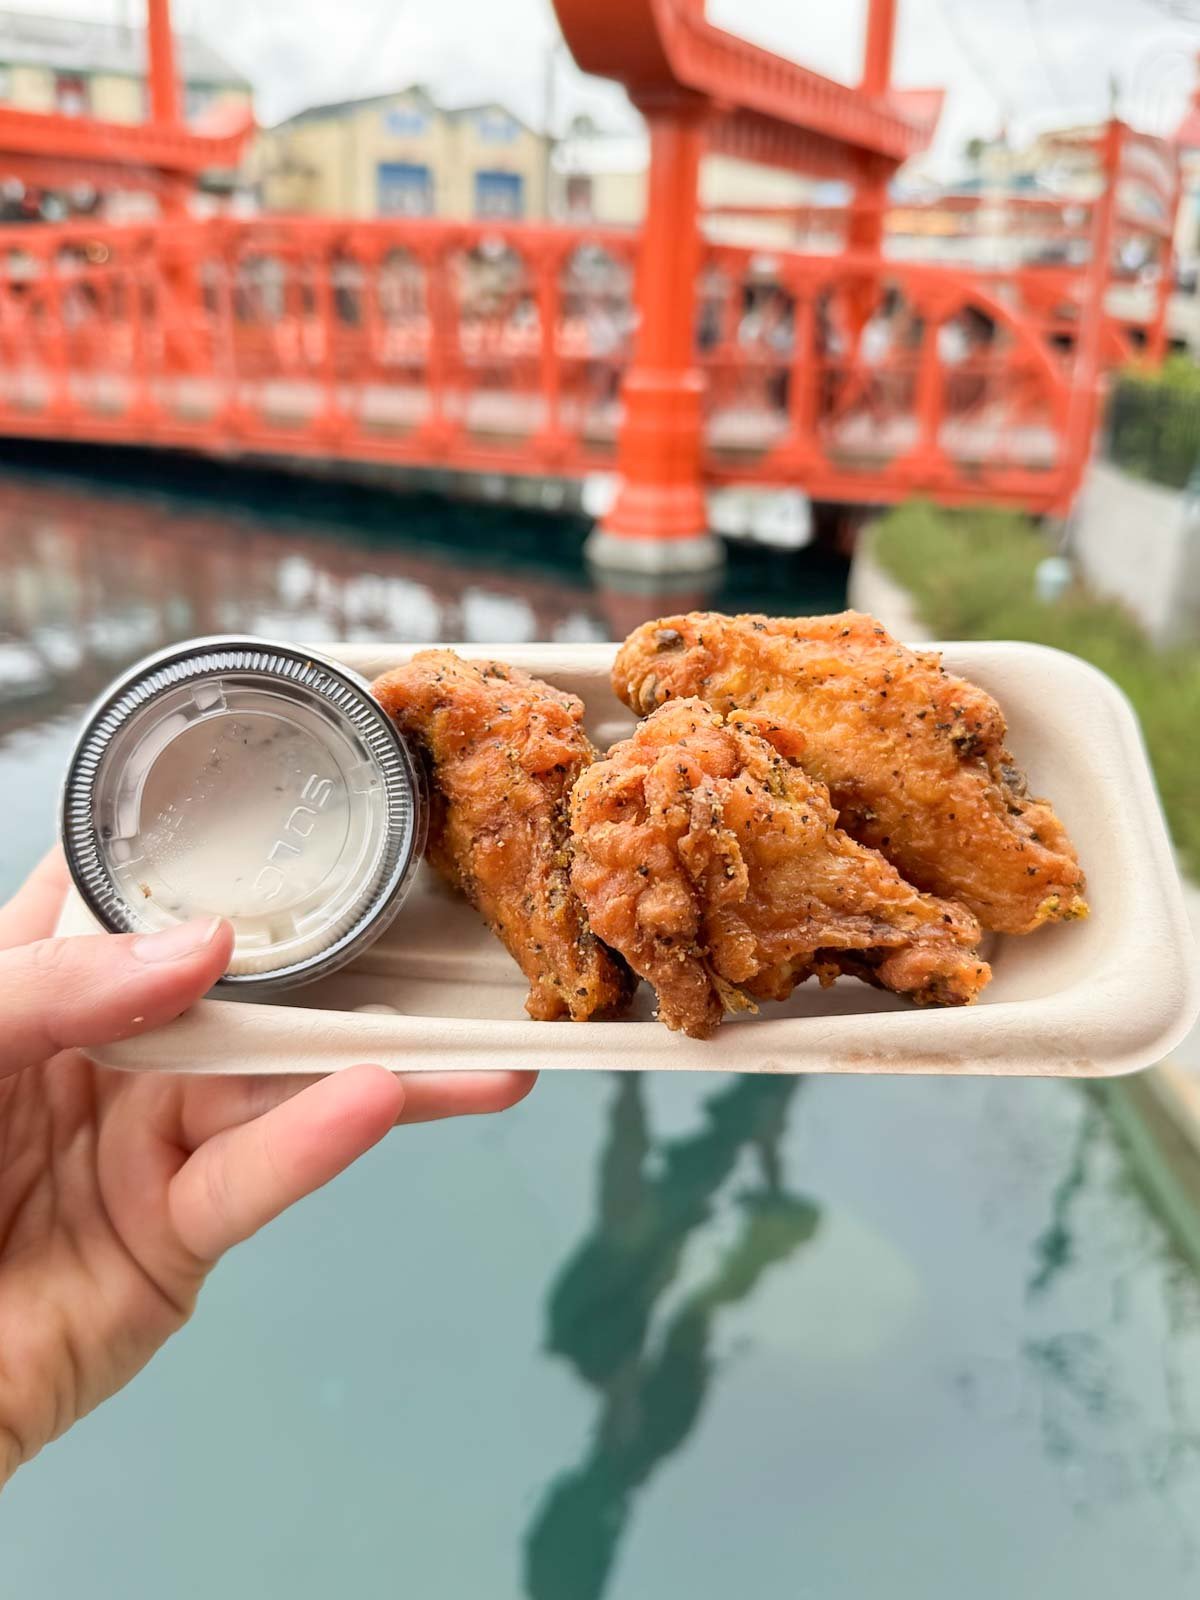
x=492, y=348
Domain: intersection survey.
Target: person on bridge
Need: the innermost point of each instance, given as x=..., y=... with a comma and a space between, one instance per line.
x=120, y=1192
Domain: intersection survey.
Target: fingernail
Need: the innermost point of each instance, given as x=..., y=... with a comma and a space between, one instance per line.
x=172, y=944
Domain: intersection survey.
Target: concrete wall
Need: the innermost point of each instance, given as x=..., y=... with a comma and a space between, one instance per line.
x=114, y=98
x=1136, y=543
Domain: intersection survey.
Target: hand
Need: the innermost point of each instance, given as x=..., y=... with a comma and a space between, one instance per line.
x=120, y=1191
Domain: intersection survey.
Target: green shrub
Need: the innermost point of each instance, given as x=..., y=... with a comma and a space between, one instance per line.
x=971, y=575
x=1154, y=422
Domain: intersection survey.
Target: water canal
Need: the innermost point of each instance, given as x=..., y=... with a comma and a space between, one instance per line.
x=644, y=1337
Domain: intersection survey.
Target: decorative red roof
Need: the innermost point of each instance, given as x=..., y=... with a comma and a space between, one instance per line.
x=126, y=146
x=762, y=106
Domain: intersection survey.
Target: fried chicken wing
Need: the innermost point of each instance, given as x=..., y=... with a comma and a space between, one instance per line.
x=503, y=751
x=717, y=869
x=913, y=758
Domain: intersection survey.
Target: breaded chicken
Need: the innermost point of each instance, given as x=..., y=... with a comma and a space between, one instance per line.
x=717, y=869
x=913, y=758
x=503, y=751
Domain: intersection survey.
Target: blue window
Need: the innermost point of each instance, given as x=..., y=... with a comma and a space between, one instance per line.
x=197, y=97
x=404, y=189
x=499, y=194
x=405, y=122
x=494, y=126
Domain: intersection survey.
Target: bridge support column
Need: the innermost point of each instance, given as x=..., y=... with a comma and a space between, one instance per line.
x=868, y=214
x=160, y=50
x=163, y=98
x=658, y=522
x=878, y=47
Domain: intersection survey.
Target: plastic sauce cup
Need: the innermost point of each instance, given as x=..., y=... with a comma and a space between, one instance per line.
x=249, y=780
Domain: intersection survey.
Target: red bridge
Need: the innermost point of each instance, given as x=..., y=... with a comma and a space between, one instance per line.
x=675, y=362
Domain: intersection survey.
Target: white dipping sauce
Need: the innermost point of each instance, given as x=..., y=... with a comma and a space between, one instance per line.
x=250, y=797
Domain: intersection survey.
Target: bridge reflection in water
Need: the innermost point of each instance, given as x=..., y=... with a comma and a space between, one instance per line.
x=93, y=576
x=610, y=1312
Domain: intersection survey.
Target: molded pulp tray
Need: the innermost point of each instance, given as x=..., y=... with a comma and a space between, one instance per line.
x=1090, y=999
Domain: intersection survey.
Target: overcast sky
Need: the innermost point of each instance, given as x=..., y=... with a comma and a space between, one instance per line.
x=1020, y=62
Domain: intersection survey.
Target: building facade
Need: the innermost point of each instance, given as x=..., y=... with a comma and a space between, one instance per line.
x=93, y=69
x=402, y=155
x=98, y=71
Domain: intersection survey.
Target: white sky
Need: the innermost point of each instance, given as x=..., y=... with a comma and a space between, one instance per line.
x=1026, y=62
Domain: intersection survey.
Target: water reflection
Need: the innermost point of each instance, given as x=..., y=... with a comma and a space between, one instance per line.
x=655, y=1198
x=89, y=582
x=1008, y=1335
x=1101, y=1263
x=92, y=577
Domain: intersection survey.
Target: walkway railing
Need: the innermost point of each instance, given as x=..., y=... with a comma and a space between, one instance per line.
x=493, y=348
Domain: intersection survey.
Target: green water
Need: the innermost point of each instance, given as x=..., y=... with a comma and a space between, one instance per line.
x=643, y=1337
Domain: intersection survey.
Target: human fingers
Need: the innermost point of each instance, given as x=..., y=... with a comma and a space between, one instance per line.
x=32, y=913
x=211, y=1105
x=429, y=1096
x=59, y=993
x=238, y=1180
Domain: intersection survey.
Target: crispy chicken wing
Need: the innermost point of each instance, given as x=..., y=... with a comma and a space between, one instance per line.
x=914, y=759
x=717, y=869
x=503, y=751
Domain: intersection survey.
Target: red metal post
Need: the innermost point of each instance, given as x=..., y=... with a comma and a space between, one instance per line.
x=60, y=398
x=552, y=441
x=1156, y=334
x=806, y=378
x=1083, y=413
x=160, y=47
x=877, y=49
x=437, y=430
x=331, y=419
x=927, y=455
x=659, y=521
x=865, y=230
x=142, y=291
x=164, y=96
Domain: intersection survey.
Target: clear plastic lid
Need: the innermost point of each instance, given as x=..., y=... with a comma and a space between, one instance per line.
x=253, y=781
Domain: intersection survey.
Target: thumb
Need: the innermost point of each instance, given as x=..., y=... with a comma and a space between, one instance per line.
x=60, y=993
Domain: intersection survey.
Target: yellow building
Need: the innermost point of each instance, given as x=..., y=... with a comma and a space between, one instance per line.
x=402, y=155
x=98, y=69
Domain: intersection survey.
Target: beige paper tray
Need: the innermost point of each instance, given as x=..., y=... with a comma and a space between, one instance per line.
x=1090, y=999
